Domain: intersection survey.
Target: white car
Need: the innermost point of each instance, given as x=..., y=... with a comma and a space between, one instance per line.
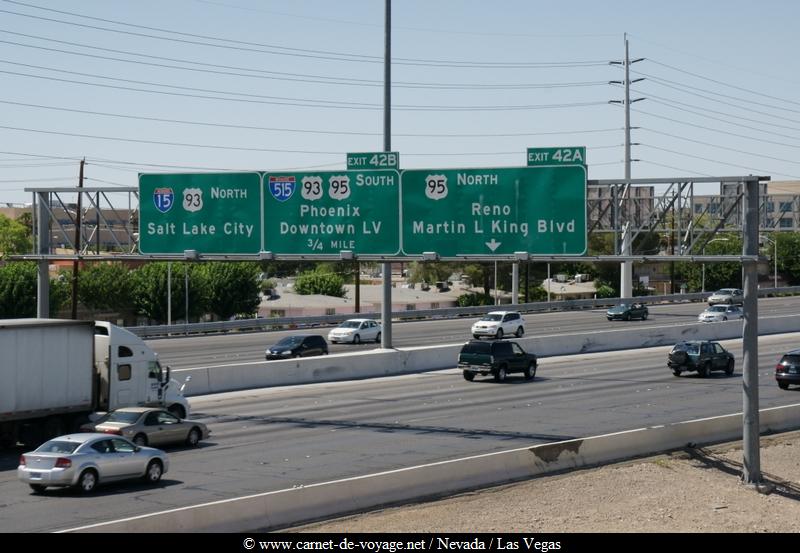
x=499, y=324
x=717, y=313
x=356, y=331
x=727, y=295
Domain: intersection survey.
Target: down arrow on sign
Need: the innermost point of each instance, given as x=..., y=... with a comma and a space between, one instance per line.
x=493, y=245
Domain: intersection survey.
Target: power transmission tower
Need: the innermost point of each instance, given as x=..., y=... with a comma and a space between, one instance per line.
x=626, y=276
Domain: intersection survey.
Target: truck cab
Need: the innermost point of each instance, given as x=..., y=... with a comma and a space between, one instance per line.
x=129, y=373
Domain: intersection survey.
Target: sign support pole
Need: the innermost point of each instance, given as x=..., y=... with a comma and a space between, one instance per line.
x=386, y=305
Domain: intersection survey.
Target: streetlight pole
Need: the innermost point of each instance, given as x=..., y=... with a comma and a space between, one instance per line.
x=774, y=259
x=703, y=251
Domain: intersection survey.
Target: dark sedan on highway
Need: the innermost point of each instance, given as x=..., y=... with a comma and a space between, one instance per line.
x=627, y=311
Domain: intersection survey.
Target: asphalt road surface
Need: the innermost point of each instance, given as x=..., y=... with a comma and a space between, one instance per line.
x=203, y=351
x=276, y=438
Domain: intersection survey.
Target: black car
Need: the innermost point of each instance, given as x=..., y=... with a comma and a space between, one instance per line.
x=299, y=345
x=787, y=370
x=495, y=358
x=628, y=311
x=702, y=356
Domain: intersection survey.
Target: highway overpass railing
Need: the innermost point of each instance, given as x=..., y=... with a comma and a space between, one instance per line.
x=280, y=323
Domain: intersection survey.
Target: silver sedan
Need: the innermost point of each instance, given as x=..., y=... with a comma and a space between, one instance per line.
x=86, y=460
x=150, y=426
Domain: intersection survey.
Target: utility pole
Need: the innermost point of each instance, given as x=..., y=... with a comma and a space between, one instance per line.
x=626, y=273
x=77, y=244
x=386, y=305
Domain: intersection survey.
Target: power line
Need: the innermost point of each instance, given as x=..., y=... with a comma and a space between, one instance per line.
x=299, y=103
x=683, y=88
x=685, y=171
x=717, y=161
x=309, y=131
x=280, y=75
x=676, y=137
x=755, y=92
x=728, y=133
x=296, y=52
x=668, y=102
x=696, y=56
x=249, y=149
x=438, y=31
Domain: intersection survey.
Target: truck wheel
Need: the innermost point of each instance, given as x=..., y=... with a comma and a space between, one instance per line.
x=676, y=372
x=140, y=440
x=154, y=471
x=729, y=368
x=87, y=481
x=704, y=370
x=177, y=410
x=37, y=488
x=783, y=385
x=193, y=439
x=469, y=376
x=530, y=371
x=500, y=374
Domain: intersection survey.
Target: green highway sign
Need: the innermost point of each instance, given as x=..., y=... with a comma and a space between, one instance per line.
x=575, y=155
x=211, y=213
x=373, y=160
x=326, y=212
x=457, y=212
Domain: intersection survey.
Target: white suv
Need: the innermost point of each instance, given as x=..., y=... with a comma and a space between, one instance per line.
x=499, y=324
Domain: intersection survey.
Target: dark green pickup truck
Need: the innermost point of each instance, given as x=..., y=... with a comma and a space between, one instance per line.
x=702, y=356
x=496, y=358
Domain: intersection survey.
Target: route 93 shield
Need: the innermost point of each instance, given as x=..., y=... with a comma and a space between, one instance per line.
x=163, y=198
x=192, y=199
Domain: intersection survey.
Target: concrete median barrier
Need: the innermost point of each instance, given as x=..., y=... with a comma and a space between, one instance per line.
x=392, y=362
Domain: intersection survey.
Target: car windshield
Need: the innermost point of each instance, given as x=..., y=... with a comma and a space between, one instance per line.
x=623, y=306
x=120, y=416
x=717, y=309
x=289, y=341
x=492, y=317
x=58, y=446
x=693, y=349
x=725, y=292
x=350, y=324
x=477, y=347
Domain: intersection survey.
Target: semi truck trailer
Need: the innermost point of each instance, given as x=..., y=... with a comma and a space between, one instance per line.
x=55, y=373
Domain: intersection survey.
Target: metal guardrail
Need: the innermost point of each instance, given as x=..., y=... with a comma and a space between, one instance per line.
x=280, y=323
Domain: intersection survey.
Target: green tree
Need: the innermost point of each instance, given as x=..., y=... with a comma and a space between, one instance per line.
x=233, y=288
x=788, y=255
x=149, y=291
x=14, y=237
x=18, y=291
x=315, y=282
x=105, y=286
x=479, y=276
x=474, y=298
x=429, y=272
x=717, y=275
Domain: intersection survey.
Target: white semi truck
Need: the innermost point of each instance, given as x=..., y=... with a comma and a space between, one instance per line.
x=55, y=373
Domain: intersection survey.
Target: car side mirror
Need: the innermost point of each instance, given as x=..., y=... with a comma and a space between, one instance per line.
x=137, y=449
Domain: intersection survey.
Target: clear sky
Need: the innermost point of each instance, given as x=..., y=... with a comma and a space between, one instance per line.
x=190, y=85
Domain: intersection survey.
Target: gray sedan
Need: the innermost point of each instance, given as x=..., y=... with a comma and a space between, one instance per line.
x=149, y=426
x=85, y=460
